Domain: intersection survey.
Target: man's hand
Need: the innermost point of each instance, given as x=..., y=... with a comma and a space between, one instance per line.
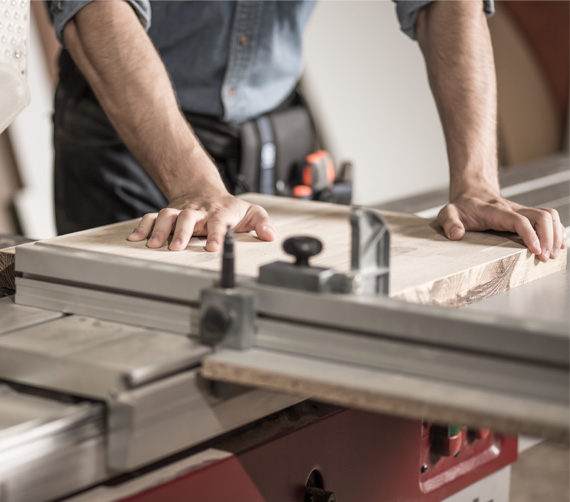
x=112, y=50
x=192, y=215
x=539, y=228
x=455, y=40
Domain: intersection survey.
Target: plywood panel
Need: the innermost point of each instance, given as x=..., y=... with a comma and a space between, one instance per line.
x=396, y=393
x=425, y=266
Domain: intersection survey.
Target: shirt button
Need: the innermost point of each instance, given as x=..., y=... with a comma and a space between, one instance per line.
x=231, y=91
x=243, y=40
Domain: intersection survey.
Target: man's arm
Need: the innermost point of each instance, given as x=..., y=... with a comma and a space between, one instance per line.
x=455, y=40
x=111, y=48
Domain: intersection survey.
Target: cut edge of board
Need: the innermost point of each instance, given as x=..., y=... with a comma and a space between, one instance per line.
x=7, y=268
x=495, y=277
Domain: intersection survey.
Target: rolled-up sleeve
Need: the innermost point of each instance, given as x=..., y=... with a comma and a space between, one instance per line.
x=61, y=11
x=408, y=10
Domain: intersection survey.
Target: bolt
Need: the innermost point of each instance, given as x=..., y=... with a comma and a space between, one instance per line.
x=424, y=468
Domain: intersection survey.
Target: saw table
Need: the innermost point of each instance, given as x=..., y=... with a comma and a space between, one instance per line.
x=125, y=377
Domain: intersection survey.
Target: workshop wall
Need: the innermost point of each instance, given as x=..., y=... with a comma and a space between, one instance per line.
x=367, y=84
x=369, y=90
x=532, y=57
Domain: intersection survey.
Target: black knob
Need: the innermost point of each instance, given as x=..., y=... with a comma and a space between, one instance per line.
x=302, y=248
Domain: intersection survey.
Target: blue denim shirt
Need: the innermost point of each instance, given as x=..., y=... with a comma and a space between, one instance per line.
x=230, y=59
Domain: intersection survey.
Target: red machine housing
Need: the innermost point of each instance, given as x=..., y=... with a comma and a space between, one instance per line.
x=359, y=456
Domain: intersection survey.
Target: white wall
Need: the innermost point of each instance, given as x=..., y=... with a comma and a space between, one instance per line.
x=367, y=83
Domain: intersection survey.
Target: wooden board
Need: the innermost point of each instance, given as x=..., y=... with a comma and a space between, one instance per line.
x=425, y=266
x=396, y=393
x=7, y=258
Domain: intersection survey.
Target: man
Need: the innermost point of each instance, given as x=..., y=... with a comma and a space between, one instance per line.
x=237, y=60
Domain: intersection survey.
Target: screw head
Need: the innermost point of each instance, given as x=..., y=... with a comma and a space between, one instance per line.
x=424, y=468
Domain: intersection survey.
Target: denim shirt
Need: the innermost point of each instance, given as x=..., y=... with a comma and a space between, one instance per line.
x=230, y=59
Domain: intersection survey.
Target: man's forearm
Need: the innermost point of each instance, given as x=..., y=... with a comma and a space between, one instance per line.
x=456, y=44
x=455, y=40
x=112, y=50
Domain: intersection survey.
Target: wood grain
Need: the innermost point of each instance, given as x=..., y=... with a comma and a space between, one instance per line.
x=7, y=259
x=425, y=266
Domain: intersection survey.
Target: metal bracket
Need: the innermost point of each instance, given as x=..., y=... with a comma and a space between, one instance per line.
x=369, y=261
x=370, y=254
x=227, y=313
x=227, y=318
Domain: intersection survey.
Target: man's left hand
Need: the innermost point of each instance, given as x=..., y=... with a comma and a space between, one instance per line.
x=539, y=228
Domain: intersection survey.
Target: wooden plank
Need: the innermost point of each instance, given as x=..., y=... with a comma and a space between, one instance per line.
x=425, y=266
x=390, y=392
x=7, y=272
x=8, y=245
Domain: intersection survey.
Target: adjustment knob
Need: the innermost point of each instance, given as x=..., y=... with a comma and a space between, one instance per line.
x=302, y=248
x=216, y=323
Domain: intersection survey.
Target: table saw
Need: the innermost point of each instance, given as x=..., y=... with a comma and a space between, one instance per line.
x=127, y=379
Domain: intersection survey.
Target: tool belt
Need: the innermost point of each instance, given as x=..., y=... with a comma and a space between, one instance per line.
x=264, y=154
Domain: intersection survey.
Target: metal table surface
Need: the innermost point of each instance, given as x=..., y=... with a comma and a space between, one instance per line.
x=546, y=299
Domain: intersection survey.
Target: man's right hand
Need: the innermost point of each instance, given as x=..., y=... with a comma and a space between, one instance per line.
x=202, y=216
x=116, y=56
